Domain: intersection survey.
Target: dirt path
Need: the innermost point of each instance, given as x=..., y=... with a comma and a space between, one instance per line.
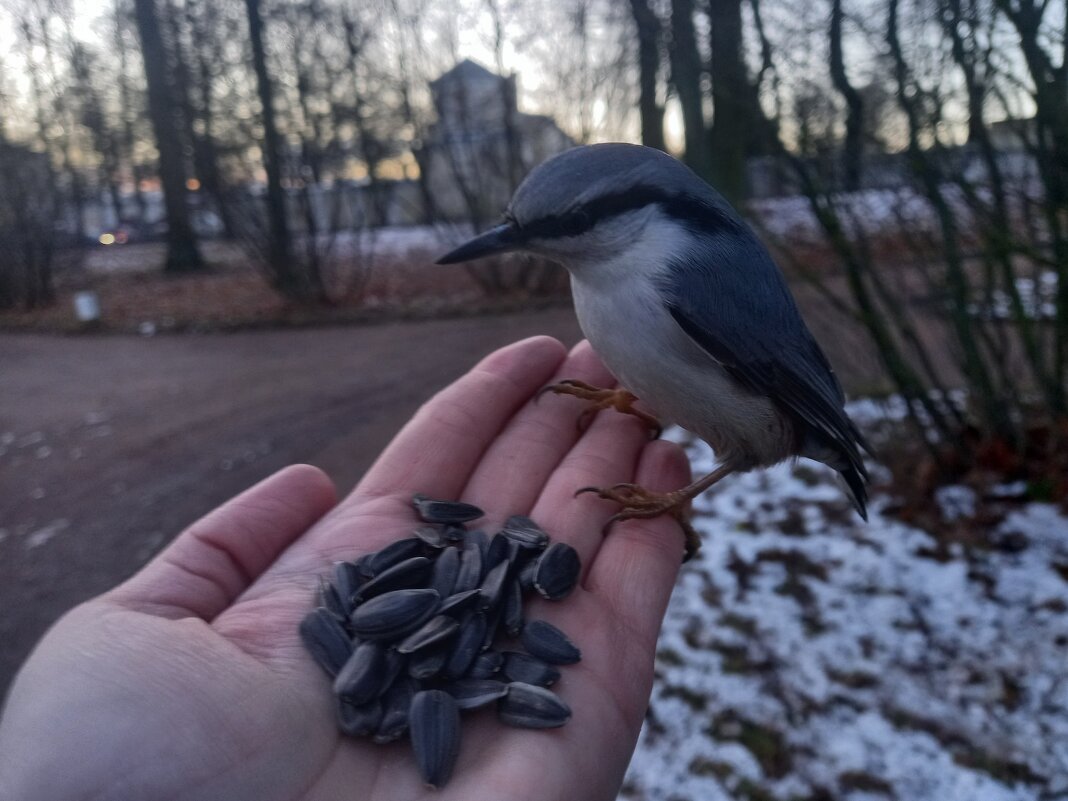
x=110, y=445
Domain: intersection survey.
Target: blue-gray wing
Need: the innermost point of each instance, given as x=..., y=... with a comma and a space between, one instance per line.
x=728, y=295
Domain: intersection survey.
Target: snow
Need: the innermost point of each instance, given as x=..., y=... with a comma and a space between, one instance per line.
x=806, y=654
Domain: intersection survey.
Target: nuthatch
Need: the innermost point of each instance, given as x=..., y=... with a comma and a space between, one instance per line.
x=687, y=309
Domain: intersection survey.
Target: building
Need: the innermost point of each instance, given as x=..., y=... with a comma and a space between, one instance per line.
x=481, y=145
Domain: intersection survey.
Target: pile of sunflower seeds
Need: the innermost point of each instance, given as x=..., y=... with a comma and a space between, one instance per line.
x=409, y=634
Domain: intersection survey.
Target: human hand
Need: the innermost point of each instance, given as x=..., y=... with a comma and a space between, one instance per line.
x=189, y=681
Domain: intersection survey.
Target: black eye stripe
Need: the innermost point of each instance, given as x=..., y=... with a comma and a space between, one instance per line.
x=692, y=211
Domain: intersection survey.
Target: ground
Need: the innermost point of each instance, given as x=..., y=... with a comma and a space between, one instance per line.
x=808, y=655
x=110, y=445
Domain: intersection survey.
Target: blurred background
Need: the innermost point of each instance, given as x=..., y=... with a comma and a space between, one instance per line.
x=218, y=223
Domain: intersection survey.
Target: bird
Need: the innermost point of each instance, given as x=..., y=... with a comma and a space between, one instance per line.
x=688, y=311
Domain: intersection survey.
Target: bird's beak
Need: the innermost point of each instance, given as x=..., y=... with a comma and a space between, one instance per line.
x=501, y=239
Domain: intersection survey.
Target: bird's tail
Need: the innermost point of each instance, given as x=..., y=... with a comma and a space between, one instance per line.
x=856, y=486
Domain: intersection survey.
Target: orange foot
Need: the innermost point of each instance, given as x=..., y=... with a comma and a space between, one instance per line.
x=639, y=502
x=642, y=503
x=618, y=399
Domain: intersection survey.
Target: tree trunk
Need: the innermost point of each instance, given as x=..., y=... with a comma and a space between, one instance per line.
x=686, y=77
x=280, y=251
x=731, y=92
x=652, y=113
x=183, y=256
x=854, y=104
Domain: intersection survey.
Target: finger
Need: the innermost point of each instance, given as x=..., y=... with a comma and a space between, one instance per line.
x=635, y=569
x=516, y=466
x=606, y=454
x=433, y=454
x=212, y=562
x=437, y=450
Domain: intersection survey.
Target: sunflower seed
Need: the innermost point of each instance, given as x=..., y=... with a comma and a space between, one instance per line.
x=363, y=566
x=459, y=602
x=395, y=663
x=525, y=668
x=435, y=631
x=393, y=615
x=434, y=727
x=512, y=615
x=434, y=536
x=493, y=622
x=492, y=588
x=486, y=664
x=473, y=693
x=431, y=511
x=427, y=664
x=325, y=639
x=477, y=539
x=394, y=554
x=443, y=576
x=469, y=575
x=526, y=532
x=526, y=575
x=347, y=579
x=454, y=534
x=466, y=645
x=361, y=678
x=358, y=721
x=395, y=705
x=497, y=552
x=557, y=572
x=531, y=707
x=408, y=574
x=331, y=601
x=546, y=642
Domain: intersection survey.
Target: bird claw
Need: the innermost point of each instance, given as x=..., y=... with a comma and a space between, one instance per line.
x=640, y=503
x=619, y=399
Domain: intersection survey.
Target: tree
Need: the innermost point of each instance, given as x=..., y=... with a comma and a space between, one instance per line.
x=285, y=276
x=183, y=256
x=732, y=127
x=652, y=113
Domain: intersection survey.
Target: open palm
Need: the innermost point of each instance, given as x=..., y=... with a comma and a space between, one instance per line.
x=189, y=681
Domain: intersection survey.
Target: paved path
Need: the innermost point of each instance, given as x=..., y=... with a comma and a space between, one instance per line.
x=110, y=445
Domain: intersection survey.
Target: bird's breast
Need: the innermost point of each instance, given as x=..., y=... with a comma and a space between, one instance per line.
x=629, y=326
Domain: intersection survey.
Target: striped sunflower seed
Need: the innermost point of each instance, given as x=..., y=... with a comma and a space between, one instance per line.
x=523, y=530
x=435, y=631
x=460, y=602
x=473, y=693
x=361, y=678
x=557, y=572
x=331, y=601
x=431, y=511
x=477, y=539
x=347, y=579
x=358, y=721
x=394, y=615
x=446, y=568
x=531, y=707
x=394, y=554
x=326, y=640
x=546, y=642
x=469, y=575
x=395, y=706
x=434, y=728
x=486, y=665
x=409, y=574
x=427, y=664
x=529, y=670
x=512, y=615
x=433, y=536
x=466, y=645
x=492, y=590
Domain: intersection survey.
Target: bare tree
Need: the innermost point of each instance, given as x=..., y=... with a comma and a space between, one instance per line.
x=183, y=255
x=652, y=113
